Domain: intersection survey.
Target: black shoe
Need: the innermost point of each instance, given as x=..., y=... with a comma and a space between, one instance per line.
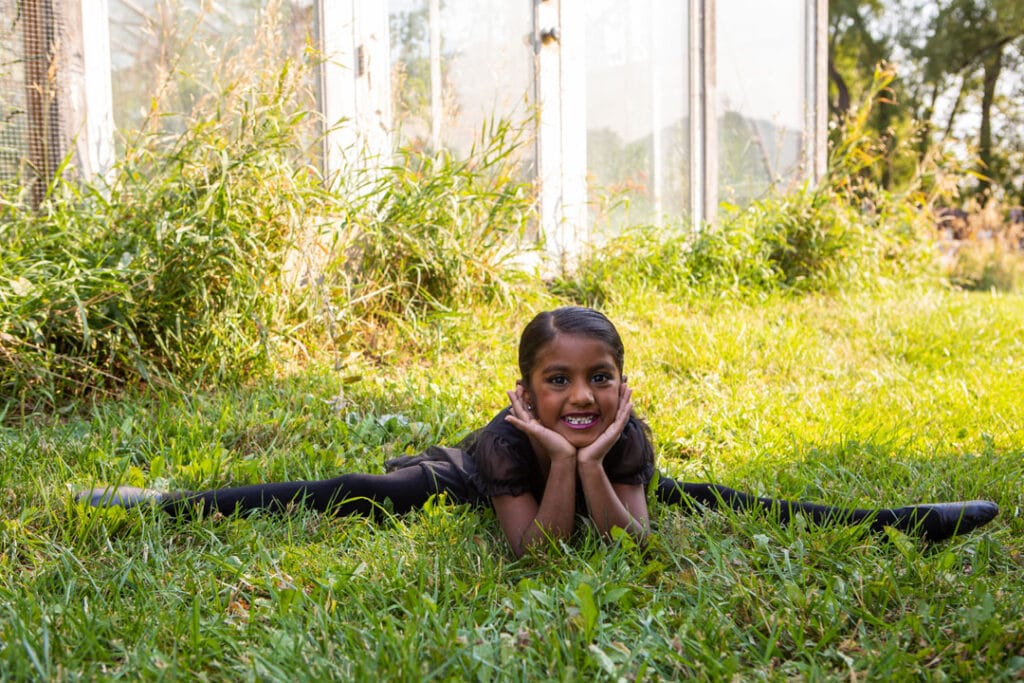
x=119, y=496
x=939, y=521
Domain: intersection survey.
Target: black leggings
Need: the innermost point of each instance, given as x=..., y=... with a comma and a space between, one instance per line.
x=714, y=495
x=370, y=495
x=406, y=489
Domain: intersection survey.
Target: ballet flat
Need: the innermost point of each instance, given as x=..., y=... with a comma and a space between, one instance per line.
x=118, y=496
x=943, y=520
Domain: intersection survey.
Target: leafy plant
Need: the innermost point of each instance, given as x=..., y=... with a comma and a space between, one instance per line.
x=844, y=232
x=174, y=270
x=212, y=247
x=435, y=232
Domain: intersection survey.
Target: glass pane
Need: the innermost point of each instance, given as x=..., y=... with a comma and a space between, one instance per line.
x=761, y=95
x=486, y=69
x=169, y=50
x=637, y=112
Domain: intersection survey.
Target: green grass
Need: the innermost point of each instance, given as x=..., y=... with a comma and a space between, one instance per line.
x=891, y=396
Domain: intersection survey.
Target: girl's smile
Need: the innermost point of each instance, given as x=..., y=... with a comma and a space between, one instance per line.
x=574, y=388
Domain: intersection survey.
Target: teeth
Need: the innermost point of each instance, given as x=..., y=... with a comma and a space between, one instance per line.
x=573, y=420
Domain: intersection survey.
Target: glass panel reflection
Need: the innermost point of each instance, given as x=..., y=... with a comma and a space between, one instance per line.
x=486, y=70
x=761, y=96
x=165, y=54
x=637, y=112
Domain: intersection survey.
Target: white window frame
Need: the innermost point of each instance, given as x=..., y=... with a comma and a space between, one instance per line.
x=355, y=98
x=354, y=84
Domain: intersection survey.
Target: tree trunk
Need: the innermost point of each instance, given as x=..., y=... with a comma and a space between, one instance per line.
x=992, y=65
x=926, y=128
x=842, y=103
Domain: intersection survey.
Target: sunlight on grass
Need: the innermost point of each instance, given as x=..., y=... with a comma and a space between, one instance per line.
x=893, y=398
x=217, y=316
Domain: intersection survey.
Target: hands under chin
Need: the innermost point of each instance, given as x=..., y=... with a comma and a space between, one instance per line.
x=594, y=452
x=555, y=446
x=544, y=441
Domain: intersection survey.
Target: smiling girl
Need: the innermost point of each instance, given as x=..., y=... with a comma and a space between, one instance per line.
x=568, y=446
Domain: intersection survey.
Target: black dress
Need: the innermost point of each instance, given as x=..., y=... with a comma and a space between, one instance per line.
x=498, y=460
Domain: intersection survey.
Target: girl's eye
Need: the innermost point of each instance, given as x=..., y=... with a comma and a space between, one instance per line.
x=602, y=378
x=558, y=379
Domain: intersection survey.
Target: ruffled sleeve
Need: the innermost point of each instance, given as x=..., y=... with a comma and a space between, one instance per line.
x=504, y=460
x=631, y=459
x=505, y=464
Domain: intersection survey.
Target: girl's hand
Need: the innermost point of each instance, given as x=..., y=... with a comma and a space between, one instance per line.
x=544, y=441
x=595, y=452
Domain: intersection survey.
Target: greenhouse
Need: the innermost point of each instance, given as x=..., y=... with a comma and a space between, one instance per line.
x=651, y=111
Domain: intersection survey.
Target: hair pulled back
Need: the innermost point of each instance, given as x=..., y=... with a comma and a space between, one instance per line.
x=572, y=320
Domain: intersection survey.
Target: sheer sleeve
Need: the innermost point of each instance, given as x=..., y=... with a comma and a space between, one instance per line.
x=503, y=458
x=505, y=464
x=631, y=460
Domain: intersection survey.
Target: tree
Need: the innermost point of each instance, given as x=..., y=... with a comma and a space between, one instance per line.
x=860, y=40
x=968, y=38
x=854, y=48
x=958, y=61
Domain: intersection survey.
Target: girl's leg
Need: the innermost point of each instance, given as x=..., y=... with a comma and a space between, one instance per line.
x=935, y=521
x=349, y=494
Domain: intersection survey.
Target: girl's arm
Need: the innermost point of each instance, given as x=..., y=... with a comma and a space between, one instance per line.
x=525, y=523
x=522, y=519
x=611, y=505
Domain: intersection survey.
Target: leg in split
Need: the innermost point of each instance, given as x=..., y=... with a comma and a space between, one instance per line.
x=369, y=495
x=935, y=521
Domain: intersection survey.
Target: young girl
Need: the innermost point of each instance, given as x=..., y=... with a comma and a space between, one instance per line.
x=568, y=445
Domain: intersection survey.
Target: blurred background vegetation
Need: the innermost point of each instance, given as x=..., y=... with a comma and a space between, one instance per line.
x=216, y=251
x=958, y=87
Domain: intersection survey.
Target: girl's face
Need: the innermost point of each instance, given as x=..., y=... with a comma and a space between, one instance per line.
x=574, y=388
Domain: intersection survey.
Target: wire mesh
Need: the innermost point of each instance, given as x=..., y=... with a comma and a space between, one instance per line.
x=29, y=87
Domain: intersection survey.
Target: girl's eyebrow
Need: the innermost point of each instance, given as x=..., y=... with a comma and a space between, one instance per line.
x=565, y=367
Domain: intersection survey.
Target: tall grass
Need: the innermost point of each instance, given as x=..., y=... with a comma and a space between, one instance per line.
x=173, y=270
x=860, y=398
x=215, y=250
x=183, y=272
x=431, y=232
x=842, y=233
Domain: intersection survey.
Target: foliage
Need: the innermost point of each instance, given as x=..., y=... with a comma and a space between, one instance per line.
x=992, y=264
x=175, y=268
x=182, y=269
x=216, y=246
x=985, y=251
x=958, y=65
x=847, y=232
x=434, y=232
x=164, y=54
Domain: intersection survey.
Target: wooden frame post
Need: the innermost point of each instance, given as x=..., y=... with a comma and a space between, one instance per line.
x=41, y=71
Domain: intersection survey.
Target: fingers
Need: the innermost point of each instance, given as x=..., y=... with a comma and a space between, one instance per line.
x=625, y=401
x=519, y=407
x=603, y=443
x=625, y=408
x=520, y=414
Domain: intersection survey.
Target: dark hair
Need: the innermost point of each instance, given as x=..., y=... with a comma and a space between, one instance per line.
x=573, y=320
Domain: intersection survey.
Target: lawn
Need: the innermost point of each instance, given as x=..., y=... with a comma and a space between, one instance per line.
x=893, y=397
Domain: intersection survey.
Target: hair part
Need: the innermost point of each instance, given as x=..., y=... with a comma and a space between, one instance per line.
x=571, y=320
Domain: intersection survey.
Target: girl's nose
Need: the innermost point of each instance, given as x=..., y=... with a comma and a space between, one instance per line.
x=582, y=395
